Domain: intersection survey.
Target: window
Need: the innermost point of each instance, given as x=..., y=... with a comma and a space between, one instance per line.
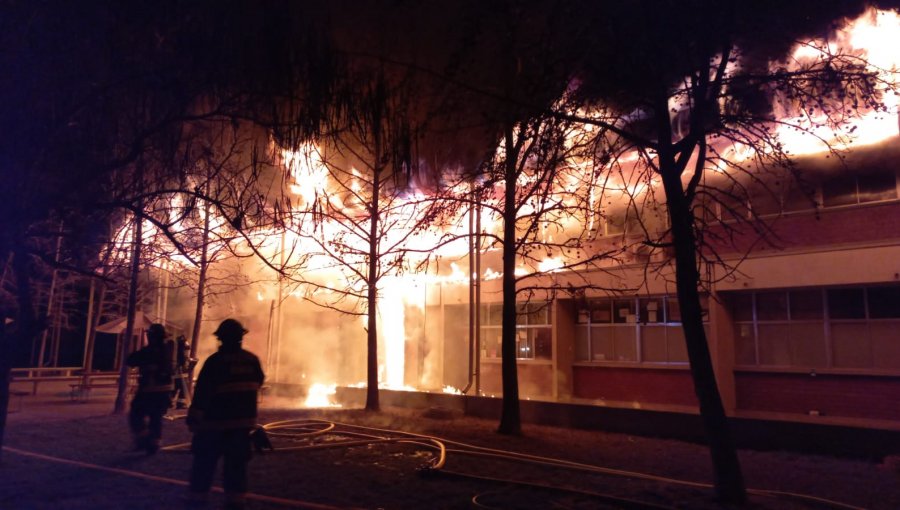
x=851, y=189
x=534, y=331
x=631, y=330
x=632, y=218
x=783, y=193
x=778, y=194
x=842, y=327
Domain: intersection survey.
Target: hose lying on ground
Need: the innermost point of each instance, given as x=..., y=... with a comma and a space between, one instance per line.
x=301, y=434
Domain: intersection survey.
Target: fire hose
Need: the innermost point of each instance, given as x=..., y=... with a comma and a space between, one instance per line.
x=307, y=429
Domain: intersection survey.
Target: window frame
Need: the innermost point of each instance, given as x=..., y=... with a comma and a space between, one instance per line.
x=524, y=310
x=586, y=323
x=829, y=323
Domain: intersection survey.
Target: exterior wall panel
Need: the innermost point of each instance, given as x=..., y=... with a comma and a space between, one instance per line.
x=656, y=386
x=851, y=396
x=535, y=380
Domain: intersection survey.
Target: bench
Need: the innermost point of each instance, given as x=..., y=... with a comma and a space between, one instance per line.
x=81, y=390
x=36, y=375
x=35, y=381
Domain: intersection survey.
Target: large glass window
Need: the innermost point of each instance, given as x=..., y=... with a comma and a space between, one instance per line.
x=859, y=188
x=773, y=195
x=631, y=330
x=534, y=331
x=845, y=327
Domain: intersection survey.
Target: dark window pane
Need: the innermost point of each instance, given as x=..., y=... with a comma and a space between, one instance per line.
x=584, y=315
x=623, y=311
x=521, y=314
x=765, y=200
x=876, y=187
x=742, y=307
x=633, y=222
x=673, y=312
x=495, y=315
x=840, y=190
x=615, y=222
x=732, y=204
x=601, y=312
x=654, y=217
x=806, y=305
x=884, y=302
x=524, y=344
x=846, y=304
x=490, y=342
x=652, y=310
x=543, y=343
x=771, y=306
x=539, y=313
x=800, y=198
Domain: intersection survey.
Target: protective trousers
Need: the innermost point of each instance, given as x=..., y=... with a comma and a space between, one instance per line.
x=145, y=416
x=234, y=446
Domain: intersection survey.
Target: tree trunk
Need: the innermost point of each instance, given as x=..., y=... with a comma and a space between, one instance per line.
x=92, y=323
x=132, y=311
x=50, y=308
x=729, y=481
x=201, y=296
x=372, y=403
x=510, y=419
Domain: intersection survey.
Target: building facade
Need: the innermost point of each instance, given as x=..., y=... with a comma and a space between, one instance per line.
x=807, y=328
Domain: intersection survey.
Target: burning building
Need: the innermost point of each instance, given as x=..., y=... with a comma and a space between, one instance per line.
x=801, y=327
x=800, y=295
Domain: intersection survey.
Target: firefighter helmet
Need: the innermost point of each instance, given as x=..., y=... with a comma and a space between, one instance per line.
x=230, y=330
x=156, y=332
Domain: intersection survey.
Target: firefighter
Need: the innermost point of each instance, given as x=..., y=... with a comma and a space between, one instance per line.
x=223, y=414
x=182, y=371
x=155, y=364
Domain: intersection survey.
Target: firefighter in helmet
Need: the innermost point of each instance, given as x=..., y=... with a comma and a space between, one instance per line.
x=223, y=414
x=155, y=364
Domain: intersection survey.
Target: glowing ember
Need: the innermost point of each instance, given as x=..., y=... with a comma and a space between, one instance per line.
x=451, y=390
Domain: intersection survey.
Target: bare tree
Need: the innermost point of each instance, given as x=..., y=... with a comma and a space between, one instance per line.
x=705, y=86
x=359, y=205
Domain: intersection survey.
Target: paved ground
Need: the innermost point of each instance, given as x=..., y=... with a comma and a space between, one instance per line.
x=74, y=455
